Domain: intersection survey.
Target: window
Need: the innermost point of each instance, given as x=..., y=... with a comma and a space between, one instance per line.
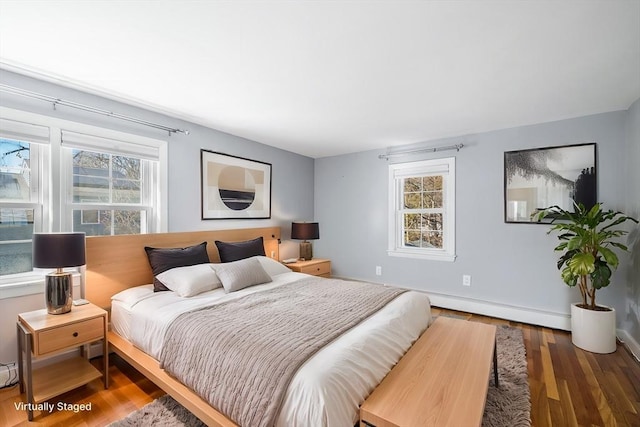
x=23, y=161
x=110, y=185
x=57, y=175
x=422, y=209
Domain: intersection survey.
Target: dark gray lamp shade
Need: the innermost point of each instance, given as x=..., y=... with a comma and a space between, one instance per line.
x=305, y=230
x=58, y=250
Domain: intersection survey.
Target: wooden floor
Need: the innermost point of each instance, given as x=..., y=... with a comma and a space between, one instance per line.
x=569, y=387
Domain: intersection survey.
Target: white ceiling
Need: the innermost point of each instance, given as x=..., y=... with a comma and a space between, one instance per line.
x=323, y=78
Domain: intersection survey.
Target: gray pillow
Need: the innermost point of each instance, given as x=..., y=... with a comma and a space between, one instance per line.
x=241, y=274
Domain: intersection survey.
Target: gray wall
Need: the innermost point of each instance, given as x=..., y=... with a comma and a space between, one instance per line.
x=292, y=181
x=631, y=319
x=512, y=265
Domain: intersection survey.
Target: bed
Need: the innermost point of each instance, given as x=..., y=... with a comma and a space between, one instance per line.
x=327, y=388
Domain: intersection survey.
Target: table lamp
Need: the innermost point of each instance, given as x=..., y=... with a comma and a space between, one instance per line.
x=305, y=231
x=58, y=250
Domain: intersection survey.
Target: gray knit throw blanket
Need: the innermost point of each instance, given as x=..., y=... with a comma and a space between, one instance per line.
x=241, y=355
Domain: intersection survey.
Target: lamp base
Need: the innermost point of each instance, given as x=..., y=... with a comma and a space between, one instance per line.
x=58, y=292
x=306, y=251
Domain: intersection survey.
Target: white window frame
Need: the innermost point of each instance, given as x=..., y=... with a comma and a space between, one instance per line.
x=445, y=167
x=53, y=188
x=150, y=223
x=39, y=198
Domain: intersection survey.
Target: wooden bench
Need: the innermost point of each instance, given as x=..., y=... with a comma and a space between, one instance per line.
x=441, y=381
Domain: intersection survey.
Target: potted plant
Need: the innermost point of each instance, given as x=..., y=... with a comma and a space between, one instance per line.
x=588, y=238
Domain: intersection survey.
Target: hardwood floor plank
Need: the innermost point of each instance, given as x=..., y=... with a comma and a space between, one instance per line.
x=568, y=368
x=567, y=405
x=548, y=335
x=556, y=412
x=549, y=374
x=540, y=413
x=605, y=410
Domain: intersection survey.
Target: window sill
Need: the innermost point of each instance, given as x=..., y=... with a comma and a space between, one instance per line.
x=28, y=285
x=25, y=284
x=421, y=255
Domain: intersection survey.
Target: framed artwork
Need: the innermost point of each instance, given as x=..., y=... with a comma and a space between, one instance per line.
x=234, y=187
x=538, y=178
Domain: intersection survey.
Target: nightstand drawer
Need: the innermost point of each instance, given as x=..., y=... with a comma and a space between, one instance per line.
x=319, y=269
x=70, y=335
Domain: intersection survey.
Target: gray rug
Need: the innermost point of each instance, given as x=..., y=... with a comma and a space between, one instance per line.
x=510, y=404
x=507, y=406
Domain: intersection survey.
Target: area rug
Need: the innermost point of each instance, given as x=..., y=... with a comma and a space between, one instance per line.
x=507, y=406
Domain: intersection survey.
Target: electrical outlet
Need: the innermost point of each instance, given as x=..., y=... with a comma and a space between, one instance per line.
x=466, y=280
x=378, y=270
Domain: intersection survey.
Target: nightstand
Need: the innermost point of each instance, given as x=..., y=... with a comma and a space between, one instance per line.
x=42, y=335
x=315, y=267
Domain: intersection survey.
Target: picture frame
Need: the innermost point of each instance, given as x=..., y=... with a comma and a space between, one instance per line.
x=234, y=187
x=538, y=178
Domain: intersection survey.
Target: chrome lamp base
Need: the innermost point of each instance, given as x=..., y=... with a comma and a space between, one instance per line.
x=58, y=292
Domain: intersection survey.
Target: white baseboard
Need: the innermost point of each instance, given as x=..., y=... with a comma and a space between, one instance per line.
x=515, y=313
x=630, y=343
x=95, y=350
x=503, y=311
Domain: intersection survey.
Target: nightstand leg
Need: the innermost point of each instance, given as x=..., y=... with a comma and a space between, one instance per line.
x=20, y=348
x=105, y=356
x=29, y=376
x=25, y=377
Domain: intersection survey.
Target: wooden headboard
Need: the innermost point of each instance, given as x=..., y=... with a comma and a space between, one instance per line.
x=115, y=263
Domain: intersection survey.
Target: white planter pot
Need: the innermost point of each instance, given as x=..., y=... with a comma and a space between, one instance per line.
x=594, y=331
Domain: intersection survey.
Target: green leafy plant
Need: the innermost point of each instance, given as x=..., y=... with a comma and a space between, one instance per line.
x=588, y=238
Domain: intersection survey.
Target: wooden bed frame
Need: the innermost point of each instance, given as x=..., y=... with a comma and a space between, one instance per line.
x=115, y=263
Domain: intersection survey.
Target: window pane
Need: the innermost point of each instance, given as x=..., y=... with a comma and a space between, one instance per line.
x=412, y=221
x=413, y=184
x=94, y=164
x=127, y=222
x=15, y=225
x=103, y=178
x=15, y=170
x=90, y=189
x=432, y=239
x=108, y=222
x=412, y=201
x=432, y=183
x=432, y=222
x=412, y=238
x=126, y=191
x=126, y=167
x=432, y=199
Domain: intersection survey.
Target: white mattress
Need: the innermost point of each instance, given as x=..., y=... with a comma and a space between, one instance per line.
x=329, y=388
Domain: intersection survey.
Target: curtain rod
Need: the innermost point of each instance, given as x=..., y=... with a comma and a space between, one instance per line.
x=387, y=156
x=58, y=101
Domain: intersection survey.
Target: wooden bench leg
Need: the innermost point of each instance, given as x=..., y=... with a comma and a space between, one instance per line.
x=496, y=383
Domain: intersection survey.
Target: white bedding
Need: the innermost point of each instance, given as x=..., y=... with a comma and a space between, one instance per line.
x=329, y=387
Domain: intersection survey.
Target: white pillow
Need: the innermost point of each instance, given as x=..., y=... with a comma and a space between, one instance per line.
x=191, y=280
x=272, y=267
x=133, y=295
x=241, y=274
